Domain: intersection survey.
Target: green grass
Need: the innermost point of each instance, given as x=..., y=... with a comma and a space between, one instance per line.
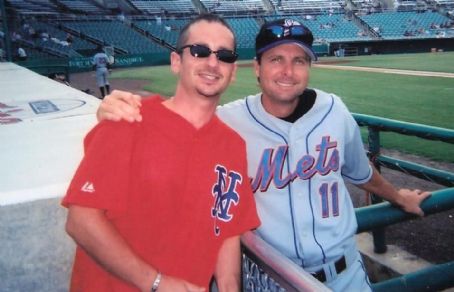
x=436, y=62
x=424, y=100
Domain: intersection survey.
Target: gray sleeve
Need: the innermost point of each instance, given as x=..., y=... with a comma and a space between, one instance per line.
x=356, y=169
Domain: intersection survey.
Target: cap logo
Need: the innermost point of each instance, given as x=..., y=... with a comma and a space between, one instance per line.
x=290, y=22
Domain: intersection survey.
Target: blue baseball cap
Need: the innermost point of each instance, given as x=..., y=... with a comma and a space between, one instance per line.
x=284, y=31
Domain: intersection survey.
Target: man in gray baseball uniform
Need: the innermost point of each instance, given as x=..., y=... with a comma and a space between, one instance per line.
x=302, y=145
x=101, y=63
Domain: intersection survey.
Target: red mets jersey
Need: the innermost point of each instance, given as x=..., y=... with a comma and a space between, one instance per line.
x=172, y=191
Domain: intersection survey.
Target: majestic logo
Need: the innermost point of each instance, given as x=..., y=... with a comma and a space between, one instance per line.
x=270, y=169
x=225, y=195
x=88, y=187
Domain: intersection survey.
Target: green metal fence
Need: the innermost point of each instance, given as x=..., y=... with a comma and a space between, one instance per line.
x=376, y=217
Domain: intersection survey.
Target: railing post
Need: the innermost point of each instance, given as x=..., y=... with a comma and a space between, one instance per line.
x=378, y=234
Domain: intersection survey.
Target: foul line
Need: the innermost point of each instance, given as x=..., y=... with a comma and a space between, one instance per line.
x=388, y=71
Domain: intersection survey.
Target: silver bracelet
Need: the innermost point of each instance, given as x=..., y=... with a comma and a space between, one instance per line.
x=156, y=282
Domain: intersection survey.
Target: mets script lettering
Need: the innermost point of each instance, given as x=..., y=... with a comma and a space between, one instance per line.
x=270, y=169
x=225, y=194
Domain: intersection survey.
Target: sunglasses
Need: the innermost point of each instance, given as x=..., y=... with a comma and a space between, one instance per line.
x=297, y=32
x=201, y=51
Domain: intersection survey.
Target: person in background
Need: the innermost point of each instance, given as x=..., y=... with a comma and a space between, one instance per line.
x=21, y=54
x=302, y=146
x=160, y=205
x=101, y=64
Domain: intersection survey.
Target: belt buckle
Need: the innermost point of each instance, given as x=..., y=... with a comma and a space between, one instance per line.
x=319, y=275
x=340, y=265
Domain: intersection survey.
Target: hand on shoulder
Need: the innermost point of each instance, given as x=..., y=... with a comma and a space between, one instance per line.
x=120, y=105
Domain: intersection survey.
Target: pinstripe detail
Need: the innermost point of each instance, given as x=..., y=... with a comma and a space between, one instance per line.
x=288, y=171
x=310, y=181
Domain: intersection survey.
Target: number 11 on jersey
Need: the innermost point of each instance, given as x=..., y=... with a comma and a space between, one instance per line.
x=326, y=191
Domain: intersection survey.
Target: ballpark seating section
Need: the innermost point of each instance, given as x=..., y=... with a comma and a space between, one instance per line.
x=83, y=6
x=330, y=27
x=56, y=38
x=449, y=4
x=36, y=54
x=116, y=33
x=166, y=6
x=395, y=25
x=151, y=26
x=308, y=6
x=237, y=7
x=166, y=30
x=35, y=7
x=245, y=30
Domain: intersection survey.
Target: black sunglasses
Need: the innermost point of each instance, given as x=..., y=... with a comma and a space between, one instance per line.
x=297, y=32
x=201, y=51
x=294, y=30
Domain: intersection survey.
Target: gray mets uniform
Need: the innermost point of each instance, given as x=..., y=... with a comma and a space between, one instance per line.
x=298, y=171
x=100, y=60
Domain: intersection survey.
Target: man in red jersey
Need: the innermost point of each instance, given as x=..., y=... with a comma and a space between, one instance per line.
x=161, y=204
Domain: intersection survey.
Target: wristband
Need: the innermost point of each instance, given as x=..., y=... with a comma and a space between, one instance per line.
x=156, y=282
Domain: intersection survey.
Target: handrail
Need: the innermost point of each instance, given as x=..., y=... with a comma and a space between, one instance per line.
x=269, y=267
x=377, y=124
x=383, y=214
x=405, y=128
x=433, y=278
x=417, y=170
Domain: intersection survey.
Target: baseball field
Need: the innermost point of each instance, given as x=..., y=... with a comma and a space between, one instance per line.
x=420, y=91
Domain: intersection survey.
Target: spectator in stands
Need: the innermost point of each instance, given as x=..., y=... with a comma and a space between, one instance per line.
x=69, y=38
x=15, y=36
x=21, y=54
x=170, y=220
x=302, y=144
x=121, y=16
x=2, y=39
x=101, y=65
x=44, y=36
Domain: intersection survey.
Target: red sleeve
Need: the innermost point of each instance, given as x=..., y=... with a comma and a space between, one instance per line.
x=102, y=178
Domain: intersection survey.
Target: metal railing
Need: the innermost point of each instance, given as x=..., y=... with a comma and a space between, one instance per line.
x=266, y=269
x=377, y=124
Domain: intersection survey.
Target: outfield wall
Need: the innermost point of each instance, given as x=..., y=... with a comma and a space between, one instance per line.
x=395, y=46
x=66, y=66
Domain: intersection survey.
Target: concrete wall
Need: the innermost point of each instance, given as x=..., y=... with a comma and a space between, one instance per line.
x=35, y=254
x=42, y=127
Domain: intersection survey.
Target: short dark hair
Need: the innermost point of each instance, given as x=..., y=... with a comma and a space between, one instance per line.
x=209, y=17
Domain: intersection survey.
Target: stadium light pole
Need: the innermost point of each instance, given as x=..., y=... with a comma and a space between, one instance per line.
x=5, y=31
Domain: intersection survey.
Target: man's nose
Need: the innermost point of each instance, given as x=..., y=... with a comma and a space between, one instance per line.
x=213, y=59
x=287, y=69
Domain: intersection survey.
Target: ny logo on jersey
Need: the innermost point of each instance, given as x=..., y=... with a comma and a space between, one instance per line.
x=225, y=195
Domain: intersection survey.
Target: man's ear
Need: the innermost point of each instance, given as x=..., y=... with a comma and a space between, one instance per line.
x=233, y=78
x=257, y=70
x=175, y=62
